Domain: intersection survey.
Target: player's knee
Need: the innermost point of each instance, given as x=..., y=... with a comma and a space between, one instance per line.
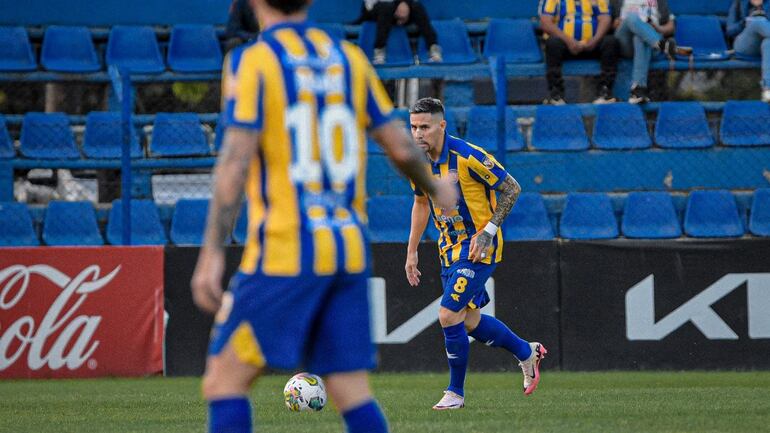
x=447, y=317
x=215, y=385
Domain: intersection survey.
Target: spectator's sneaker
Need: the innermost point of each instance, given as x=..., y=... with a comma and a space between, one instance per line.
x=669, y=47
x=531, y=367
x=379, y=56
x=450, y=401
x=435, y=54
x=605, y=96
x=766, y=94
x=639, y=95
x=555, y=98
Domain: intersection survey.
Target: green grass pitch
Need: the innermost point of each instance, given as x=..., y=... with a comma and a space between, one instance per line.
x=565, y=402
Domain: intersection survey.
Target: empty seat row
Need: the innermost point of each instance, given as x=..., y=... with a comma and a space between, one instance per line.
x=679, y=125
x=49, y=136
x=191, y=48
x=645, y=215
x=586, y=216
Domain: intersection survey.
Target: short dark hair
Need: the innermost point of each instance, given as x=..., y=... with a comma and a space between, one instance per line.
x=287, y=6
x=427, y=105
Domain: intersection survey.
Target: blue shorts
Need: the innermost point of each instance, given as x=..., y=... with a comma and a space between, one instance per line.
x=321, y=323
x=463, y=283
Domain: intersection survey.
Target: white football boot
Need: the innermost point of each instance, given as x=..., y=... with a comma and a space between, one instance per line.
x=449, y=401
x=531, y=367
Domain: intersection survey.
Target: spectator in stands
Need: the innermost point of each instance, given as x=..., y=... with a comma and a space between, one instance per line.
x=399, y=12
x=641, y=28
x=578, y=29
x=747, y=22
x=242, y=25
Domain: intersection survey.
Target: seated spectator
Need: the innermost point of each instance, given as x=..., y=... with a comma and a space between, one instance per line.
x=242, y=25
x=641, y=28
x=747, y=22
x=399, y=12
x=577, y=29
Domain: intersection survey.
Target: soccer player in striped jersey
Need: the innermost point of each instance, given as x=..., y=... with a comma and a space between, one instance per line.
x=297, y=104
x=470, y=246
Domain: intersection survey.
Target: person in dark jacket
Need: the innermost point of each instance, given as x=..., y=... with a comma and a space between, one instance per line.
x=747, y=22
x=644, y=27
x=242, y=25
x=387, y=13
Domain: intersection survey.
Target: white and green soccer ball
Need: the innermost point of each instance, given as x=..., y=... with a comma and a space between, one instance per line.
x=304, y=392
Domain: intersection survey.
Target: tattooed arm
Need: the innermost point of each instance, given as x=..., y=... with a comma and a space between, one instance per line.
x=507, y=194
x=229, y=178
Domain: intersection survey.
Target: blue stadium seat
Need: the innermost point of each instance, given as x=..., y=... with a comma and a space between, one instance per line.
x=383, y=179
x=15, y=50
x=104, y=136
x=745, y=123
x=559, y=127
x=189, y=221
x=390, y=218
x=194, y=48
x=241, y=224
x=759, y=221
x=481, y=128
x=700, y=7
x=454, y=41
x=134, y=48
x=682, y=125
x=712, y=214
x=650, y=215
x=71, y=223
x=702, y=33
x=620, y=126
x=69, y=49
x=178, y=134
x=146, y=228
x=398, y=51
x=335, y=30
x=528, y=220
x=340, y=11
x=513, y=39
x=6, y=143
x=47, y=136
x=588, y=216
x=16, y=229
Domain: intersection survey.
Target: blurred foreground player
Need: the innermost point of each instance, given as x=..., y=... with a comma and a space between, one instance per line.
x=296, y=105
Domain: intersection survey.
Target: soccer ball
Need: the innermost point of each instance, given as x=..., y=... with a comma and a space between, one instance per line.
x=304, y=392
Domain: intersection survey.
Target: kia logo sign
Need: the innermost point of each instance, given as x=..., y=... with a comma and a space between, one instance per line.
x=640, y=309
x=74, y=344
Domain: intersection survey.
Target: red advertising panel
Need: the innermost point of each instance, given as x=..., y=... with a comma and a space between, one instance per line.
x=81, y=312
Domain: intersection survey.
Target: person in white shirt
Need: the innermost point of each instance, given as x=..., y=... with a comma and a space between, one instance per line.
x=642, y=28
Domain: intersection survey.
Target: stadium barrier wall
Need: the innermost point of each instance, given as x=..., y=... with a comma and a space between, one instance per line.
x=404, y=318
x=81, y=312
x=692, y=305
x=665, y=305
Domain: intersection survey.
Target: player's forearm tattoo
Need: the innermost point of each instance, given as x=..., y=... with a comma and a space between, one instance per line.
x=231, y=172
x=507, y=194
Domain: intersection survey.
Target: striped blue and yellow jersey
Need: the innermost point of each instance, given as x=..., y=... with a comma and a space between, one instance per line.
x=311, y=98
x=477, y=174
x=576, y=18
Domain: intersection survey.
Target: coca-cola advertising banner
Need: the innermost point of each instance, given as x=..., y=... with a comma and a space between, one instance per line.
x=81, y=312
